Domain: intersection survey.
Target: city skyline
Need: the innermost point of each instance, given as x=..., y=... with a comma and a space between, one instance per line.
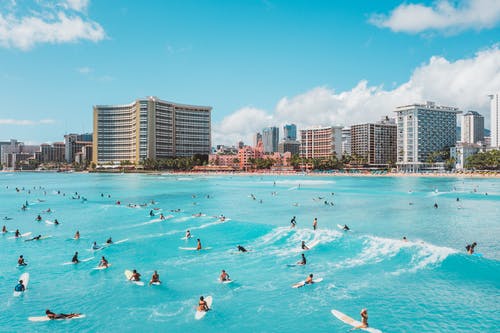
x=259, y=64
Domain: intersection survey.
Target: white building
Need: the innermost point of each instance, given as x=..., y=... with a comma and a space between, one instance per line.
x=423, y=129
x=472, y=127
x=462, y=151
x=346, y=141
x=495, y=120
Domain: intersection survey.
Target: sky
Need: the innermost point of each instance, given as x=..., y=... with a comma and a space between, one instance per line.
x=258, y=63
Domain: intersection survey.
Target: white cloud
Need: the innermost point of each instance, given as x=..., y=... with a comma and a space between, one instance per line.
x=49, y=24
x=444, y=15
x=84, y=70
x=25, y=122
x=464, y=83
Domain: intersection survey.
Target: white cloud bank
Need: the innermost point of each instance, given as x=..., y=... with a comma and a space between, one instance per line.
x=55, y=24
x=25, y=122
x=444, y=15
x=464, y=83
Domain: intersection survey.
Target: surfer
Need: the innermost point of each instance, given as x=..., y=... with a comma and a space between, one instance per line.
x=435, y=205
x=20, y=287
x=303, y=261
x=17, y=234
x=198, y=246
x=151, y=213
x=224, y=276
x=155, y=278
x=405, y=239
x=309, y=279
x=364, y=319
x=75, y=260
x=56, y=222
x=162, y=217
x=4, y=229
x=52, y=315
x=135, y=276
x=293, y=222
x=188, y=234
x=38, y=218
x=242, y=249
x=345, y=227
x=77, y=235
x=202, y=304
x=95, y=246
x=34, y=238
x=315, y=223
x=20, y=261
x=109, y=241
x=470, y=248
x=304, y=246
x=103, y=262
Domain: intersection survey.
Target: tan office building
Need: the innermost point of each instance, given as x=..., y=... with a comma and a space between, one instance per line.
x=150, y=128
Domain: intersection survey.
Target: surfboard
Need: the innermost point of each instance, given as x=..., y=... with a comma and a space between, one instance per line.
x=74, y=263
x=156, y=284
x=186, y=238
x=303, y=283
x=341, y=227
x=312, y=244
x=26, y=234
x=294, y=265
x=128, y=274
x=354, y=323
x=193, y=248
x=120, y=241
x=200, y=314
x=45, y=318
x=26, y=279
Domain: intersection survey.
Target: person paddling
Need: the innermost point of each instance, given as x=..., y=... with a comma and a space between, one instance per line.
x=53, y=316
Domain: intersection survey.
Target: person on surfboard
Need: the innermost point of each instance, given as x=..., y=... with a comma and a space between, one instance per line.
x=345, y=227
x=103, y=262
x=304, y=246
x=75, y=260
x=198, y=246
x=20, y=261
x=470, y=248
x=242, y=249
x=188, y=234
x=52, y=315
x=293, y=222
x=135, y=276
x=20, y=286
x=77, y=235
x=364, y=319
x=303, y=261
x=202, y=304
x=109, y=241
x=224, y=276
x=309, y=279
x=34, y=238
x=155, y=278
x=315, y=223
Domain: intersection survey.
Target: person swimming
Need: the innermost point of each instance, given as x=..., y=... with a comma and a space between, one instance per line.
x=242, y=249
x=155, y=278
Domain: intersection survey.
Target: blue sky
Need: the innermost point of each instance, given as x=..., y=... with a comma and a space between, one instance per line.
x=257, y=63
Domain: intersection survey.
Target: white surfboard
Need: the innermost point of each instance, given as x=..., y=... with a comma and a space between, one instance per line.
x=45, y=318
x=128, y=273
x=26, y=279
x=156, y=284
x=26, y=234
x=303, y=283
x=312, y=244
x=227, y=281
x=200, y=314
x=186, y=238
x=194, y=248
x=341, y=227
x=74, y=263
x=354, y=323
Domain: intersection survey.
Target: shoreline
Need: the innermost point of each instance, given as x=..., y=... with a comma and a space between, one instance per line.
x=478, y=175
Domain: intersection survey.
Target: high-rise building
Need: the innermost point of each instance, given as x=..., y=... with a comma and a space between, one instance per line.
x=150, y=128
x=321, y=142
x=52, y=153
x=74, y=143
x=290, y=132
x=270, y=138
x=375, y=143
x=423, y=129
x=472, y=130
x=289, y=146
x=256, y=138
x=346, y=141
x=495, y=121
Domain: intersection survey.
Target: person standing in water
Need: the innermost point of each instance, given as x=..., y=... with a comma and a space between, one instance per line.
x=293, y=222
x=315, y=223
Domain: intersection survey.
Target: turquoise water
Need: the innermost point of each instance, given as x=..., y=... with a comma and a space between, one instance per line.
x=427, y=284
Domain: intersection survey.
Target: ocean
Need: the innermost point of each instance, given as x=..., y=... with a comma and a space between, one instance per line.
x=427, y=283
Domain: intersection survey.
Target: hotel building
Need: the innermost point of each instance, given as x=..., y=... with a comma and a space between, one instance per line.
x=150, y=128
x=421, y=130
x=495, y=121
x=321, y=142
x=472, y=130
x=375, y=143
x=290, y=132
x=270, y=138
